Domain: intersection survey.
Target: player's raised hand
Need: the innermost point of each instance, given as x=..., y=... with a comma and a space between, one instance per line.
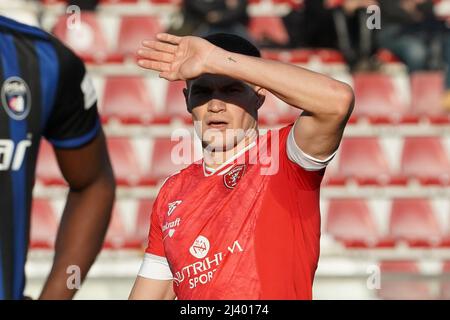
x=175, y=58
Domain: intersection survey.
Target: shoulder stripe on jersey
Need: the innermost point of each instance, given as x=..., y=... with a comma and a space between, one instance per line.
x=18, y=132
x=49, y=73
x=76, y=142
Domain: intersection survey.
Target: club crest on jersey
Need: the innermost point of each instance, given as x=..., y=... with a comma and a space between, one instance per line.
x=200, y=247
x=16, y=98
x=232, y=177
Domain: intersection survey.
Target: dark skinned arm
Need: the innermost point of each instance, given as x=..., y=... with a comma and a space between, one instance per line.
x=86, y=215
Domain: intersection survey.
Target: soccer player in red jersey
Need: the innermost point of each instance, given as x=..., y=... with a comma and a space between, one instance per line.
x=243, y=222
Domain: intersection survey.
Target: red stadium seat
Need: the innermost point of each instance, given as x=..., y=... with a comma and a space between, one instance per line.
x=297, y=56
x=125, y=163
x=116, y=236
x=175, y=106
x=169, y=157
x=142, y=225
x=124, y=2
x=398, y=282
x=376, y=98
x=88, y=40
x=413, y=221
x=47, y=170
x=173, y=2
x=361, y=159
x=268, y=29
x=127, y=99
x=44, y=225
x=330, y=56
x=427, y=90
x=425, y=158
x=275, y=111
x=134, y=29
x=350, y=221
x=445, y=284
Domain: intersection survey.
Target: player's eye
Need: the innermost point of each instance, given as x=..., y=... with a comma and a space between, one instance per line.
x=233, y=89
x=201, y=91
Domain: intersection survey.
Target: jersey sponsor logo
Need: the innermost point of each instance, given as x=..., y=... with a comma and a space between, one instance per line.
x=172, y=206
x=16, y=98
x=232, y=177
x=201, y=272
x=11, y=155
x=200, y=247
x=171, y=225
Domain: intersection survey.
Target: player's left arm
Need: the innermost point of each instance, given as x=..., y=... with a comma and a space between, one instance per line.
x=86, y=215
x=327, y=103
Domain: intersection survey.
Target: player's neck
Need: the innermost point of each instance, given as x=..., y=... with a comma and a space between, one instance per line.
x=214, y=160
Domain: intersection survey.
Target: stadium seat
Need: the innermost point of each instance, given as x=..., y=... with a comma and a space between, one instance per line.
x=124, y=160
x=268, y=28
x=377, y=99
x=425, y=158
x=44, y=225
x=124, y=2
x=175, y=103
x=427, y=90
x=163, y=161
x=445, y=284
x=134, y=29
x=413, y=220
x=350, y=221
x=362, y=160
x=47, y=170
x=127, y=99
x=275, y=111
x=297, y=56
x=398, y=281
x=116, y=236
x=140, y=235
x=88, y=40
x=330, y=56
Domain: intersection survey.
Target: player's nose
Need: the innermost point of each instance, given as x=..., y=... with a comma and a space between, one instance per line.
x=216, y=105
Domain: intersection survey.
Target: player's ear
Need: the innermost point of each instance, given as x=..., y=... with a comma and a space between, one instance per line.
x=261, y=96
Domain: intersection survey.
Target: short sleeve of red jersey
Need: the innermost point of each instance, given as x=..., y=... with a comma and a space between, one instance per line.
x=155, y=236
x=155, y=265
x=307, y=171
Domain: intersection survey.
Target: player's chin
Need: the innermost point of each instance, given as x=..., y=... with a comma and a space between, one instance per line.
x=218, y=145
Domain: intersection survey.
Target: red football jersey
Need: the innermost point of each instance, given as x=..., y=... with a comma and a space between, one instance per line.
x=250, y=230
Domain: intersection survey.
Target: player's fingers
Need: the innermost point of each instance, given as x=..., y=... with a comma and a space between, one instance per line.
x=168, y=38
x=155, y=55
x=171, y=76
x=160, y=46
x=154, y=65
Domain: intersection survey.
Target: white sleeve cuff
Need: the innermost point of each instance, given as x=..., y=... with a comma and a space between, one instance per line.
x=307, y=162
x=155, y=267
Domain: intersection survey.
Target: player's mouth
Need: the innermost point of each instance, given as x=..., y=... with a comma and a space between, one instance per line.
x=217, y=124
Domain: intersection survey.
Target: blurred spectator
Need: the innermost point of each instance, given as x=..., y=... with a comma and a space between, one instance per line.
x=411, y=30
x=202, y=17
x=339, y=24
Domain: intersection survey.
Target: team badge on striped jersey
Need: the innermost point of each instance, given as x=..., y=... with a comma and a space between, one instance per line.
x=16, y=98
x=232, y=177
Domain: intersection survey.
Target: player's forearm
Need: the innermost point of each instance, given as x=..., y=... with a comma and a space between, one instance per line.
x=80, y=236
x=308, y=90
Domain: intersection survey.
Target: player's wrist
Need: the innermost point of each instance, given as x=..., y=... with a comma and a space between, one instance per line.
x=212, y=62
